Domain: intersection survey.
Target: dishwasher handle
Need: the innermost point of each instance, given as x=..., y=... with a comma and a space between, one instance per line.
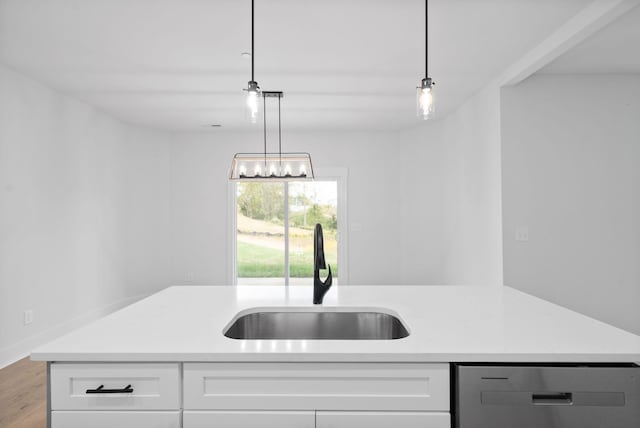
x=552, y=399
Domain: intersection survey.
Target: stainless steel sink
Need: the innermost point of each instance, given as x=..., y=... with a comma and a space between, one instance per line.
x=310, y=324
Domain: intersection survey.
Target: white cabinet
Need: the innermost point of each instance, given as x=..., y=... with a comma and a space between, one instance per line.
x=316, y=386
x=248, y=419
x=127, y=386
x=110, y=419
x=249, y=395
x=383, y=419
x=108, y=395
x=316, y=395
x=310, y=419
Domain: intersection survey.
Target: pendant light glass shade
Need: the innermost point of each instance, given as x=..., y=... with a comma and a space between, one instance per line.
x=424, y=99
x=253, y=98
x=271, y=166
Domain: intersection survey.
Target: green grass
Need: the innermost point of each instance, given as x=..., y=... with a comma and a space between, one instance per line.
x=255, y=261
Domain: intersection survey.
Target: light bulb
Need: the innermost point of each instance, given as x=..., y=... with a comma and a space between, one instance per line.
x=252, y=106
x=253, y=95
x=425, y=99
x=257, y=171
x=426, y=102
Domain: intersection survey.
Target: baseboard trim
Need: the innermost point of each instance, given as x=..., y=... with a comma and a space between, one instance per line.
x=18, y=351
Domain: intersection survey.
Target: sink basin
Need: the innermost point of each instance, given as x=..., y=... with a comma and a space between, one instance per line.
x=316, y=324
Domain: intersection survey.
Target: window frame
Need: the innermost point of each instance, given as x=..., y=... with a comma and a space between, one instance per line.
x=339, y=175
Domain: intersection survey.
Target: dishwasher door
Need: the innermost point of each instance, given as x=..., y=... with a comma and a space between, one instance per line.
x=547, y=397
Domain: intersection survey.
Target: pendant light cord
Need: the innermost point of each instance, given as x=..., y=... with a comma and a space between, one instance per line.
x=279, y=132
x=426, y=38
x=264, y=119
x=252, y=41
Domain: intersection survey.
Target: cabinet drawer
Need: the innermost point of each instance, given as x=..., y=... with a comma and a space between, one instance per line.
x=151, y=386
x=102, y=419
x=383, y=420
x=316, y=386
x=248, y=419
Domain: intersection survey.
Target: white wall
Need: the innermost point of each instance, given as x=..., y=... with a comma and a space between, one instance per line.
x=76, y=191
x=422, y=210
x=468, y=161
x=571, y=174
x=147, y=211
x=472, y=192
x=424, y=204
x=394, y=203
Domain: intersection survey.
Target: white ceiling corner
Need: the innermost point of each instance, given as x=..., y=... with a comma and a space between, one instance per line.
x=614, y=49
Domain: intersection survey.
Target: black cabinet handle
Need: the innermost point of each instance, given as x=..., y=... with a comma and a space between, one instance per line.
x=102, y=390
x=552, y=398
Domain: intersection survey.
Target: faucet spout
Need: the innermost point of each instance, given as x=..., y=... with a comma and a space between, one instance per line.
x=320, y=287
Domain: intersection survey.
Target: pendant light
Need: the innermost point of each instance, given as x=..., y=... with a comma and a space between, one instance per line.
x=253, y=90
x=424, y=97
x=274, y=166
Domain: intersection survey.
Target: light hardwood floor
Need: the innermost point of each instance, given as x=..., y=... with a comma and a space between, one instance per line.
x=23, y=395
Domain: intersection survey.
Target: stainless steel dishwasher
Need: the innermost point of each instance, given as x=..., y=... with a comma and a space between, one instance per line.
x=558, y=396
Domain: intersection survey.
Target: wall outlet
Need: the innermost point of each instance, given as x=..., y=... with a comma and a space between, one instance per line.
x=522, y=234
x=28, y=316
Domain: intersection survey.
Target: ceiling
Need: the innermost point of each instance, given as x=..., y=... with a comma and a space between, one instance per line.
x=614, y=49
x=342, y=64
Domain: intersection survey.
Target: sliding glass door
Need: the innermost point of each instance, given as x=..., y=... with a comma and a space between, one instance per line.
x=274, y=230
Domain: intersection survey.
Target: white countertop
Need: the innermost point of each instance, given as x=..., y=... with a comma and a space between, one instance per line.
x=447, y=324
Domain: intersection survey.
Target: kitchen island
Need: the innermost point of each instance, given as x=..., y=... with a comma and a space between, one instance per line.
x=164, y=361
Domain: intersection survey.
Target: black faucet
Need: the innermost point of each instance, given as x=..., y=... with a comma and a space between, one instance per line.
x=320, y=288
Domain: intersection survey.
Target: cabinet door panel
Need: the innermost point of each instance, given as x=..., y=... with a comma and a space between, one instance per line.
x=247, y=419
x=383, y=420
x=107, y=419
x=153, y=386
x=324, y=386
